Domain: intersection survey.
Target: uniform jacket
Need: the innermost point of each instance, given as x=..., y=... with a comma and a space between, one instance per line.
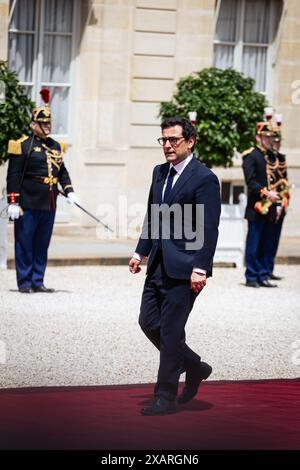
x=195, y=186
x=45, y=168
x=254, y=167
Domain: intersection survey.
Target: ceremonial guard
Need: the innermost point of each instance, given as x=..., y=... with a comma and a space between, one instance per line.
x=35, y=169
x=268, y=196
x=280, y=177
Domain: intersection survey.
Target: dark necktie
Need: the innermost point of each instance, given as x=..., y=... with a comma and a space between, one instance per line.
x=168, y=189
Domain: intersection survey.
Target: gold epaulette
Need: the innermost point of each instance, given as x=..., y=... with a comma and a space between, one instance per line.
x=246, y=152
x=15, y=147
x=63, y=147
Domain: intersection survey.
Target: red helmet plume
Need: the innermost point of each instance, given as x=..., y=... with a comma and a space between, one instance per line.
x=45, y=92
x=43, y=113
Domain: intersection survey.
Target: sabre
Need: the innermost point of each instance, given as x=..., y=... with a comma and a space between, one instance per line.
x=87, y=212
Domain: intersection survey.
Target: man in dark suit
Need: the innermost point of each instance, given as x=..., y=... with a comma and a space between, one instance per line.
x=266, y=184
x=180, y=254
x=35, y=168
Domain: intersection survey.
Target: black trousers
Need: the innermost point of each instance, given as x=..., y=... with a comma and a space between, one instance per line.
x=165, y=307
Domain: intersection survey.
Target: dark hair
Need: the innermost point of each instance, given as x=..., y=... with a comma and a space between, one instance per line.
x=188, y=130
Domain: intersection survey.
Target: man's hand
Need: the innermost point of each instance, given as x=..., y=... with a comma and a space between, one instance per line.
x=13, y=211
x=272, y=196
x=198, y=281
x=134, y=266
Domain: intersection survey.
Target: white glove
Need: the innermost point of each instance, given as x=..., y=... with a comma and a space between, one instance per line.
x=72, y=198
x=278, y=212
x=13, y=211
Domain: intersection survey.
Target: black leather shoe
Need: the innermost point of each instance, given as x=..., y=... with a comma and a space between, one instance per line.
x=26, y=290
x=252, y=284
x=43, y=289
x=275, y=278
x=192, y=382
x=160, y=406
x=266, y=283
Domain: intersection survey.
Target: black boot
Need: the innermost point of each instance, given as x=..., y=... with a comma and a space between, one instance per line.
x=43, y=289
x=26, y=290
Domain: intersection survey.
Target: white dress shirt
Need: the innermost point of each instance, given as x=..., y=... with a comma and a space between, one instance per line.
x=179, y=169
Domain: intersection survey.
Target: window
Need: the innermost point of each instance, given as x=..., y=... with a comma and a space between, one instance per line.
x=230, y=192
x=245, y=31
x=41, y=50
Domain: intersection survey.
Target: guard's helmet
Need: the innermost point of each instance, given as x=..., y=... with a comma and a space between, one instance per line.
x=43, y=113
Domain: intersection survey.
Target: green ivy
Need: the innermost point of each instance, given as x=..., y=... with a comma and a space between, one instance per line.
x=15, y=112
x=227, y=109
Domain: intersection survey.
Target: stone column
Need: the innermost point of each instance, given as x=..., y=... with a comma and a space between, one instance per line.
x=287, y=102
x=3, y=29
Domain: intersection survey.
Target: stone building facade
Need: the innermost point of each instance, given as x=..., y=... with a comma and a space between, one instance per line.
x=125, y=57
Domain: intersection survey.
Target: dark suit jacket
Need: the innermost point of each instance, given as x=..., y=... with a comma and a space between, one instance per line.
x=254, y=166
x=195, y=186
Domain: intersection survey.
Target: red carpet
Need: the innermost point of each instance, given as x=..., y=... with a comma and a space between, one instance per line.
x=225, y=415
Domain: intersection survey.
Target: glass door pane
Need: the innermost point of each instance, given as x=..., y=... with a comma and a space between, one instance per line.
x=223, y=56
x=21, y=40
x=256, y=21
x=21, y=55
x=254, y=65
x=59, y=109
x=24, y=17
x=59, y=16
x=57, y=58
x=226, y=29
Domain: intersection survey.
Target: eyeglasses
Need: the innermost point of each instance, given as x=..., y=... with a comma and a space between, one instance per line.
x=174, y=141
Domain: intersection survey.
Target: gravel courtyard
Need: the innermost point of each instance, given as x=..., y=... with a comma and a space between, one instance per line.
x=87, y=332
